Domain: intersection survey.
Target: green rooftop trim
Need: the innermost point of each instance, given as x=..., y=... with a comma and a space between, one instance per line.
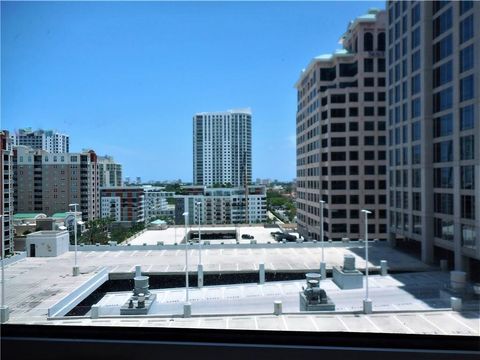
x=61, y=215
x=21, y=216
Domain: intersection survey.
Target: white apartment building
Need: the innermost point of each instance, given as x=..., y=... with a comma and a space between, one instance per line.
x=110, y=172
x=156, y=203
x=221, y=205
x=48, y=140
x=222, y=148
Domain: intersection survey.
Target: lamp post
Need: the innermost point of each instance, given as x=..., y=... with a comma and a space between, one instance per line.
x=4, y=311
x=323, y=266
x=367, y=303
x=76, y=270
x=198, y=203
x=187, y=310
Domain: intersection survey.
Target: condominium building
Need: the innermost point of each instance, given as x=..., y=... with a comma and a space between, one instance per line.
x=434, y=130
x=49, y=140
x=341, y=136
x=222, y=148
x=221, y=205
x=6, y=195
x=123, y=204
x=156, y=202
x=48, y=182
x=109, y=171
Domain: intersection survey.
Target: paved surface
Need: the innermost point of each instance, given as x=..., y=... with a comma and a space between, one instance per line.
x=412, y=291
x=175, y=235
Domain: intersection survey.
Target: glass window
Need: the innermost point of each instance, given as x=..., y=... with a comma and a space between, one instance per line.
x=381, y=42
x=417, y=224
x=416, y=60
x=442, y=100
x=467, y=177
x=416, y=107
x=416, y=84
x=416, y=154
x=443, y=151
x=368, y=41
x=381, y=65
x=466, y=29
x=466, y=58
x=443, y=177
x=368, y=65
x=442, y=23
x=467, y=148
x=467, y=120
x=442, y=74
x=417, y=201
x=468, y=206
x=443, y=229
x=442, y=49
x=468, y=236
x=443, y=203
x=443, y=125
x=465, y=5
x=416, y=178
x=466, y=88
x=415, y=14
x=416, y=37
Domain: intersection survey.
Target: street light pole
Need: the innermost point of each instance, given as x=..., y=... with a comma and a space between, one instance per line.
x=186, y=307
x=4, y=309
x=323, y=265
x=367, y=303
x=198, y=203
x=76, y=270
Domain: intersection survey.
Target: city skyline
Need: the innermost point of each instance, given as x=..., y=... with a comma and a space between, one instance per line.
x=51, y=69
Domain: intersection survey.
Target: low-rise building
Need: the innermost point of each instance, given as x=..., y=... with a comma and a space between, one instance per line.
x=221, y=205
x=123, y=204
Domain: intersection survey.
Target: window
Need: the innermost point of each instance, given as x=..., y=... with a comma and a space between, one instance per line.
x=442, y=49
x=465, y=5
x=467, y=148
x=416, y=178
x=416, y=131
x=443, y=151
x=416, y=201
x=369, y=111
x=468, y=207
x=381, y=41
x=353, y=126
x=369, y=125
x=443, y=177
x=468, y=237
x=415, y=37
x=466, y=88
x=442, y=100
x=415, y=14
x=368, y=41
x=348, y=70
x=369, y=140
x=353, y=97
x=467, y=177
x=369, y=170
x=369, y=96
x=416, y=107
x=415, y=84
x=443, y=203
x=368, y=65
x=416, y=60
x=328, y=74
x=466, y=29
x=380, y=65
x=466, y=58
x=442, y=23
x=442, y=74
x=417, y=224
x=369, y=82
x=443, y=229
x=443, y=125
x=416, y=154
x=337, y=113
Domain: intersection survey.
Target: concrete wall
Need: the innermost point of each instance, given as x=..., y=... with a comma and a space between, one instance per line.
x=48, y=243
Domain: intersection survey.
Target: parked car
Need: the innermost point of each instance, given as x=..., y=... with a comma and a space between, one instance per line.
x=247, y=236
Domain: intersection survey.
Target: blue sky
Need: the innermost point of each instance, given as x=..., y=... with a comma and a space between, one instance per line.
x=126, y=78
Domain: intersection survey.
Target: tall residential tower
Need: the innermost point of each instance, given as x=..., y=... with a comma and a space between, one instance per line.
x=222, y=148
x=49, y=140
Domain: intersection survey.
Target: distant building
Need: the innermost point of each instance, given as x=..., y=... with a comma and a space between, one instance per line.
x=341, y=136
x=222, y=148
x=110, y=172
x=48, y=140
x=156, y=203
x=48, y=182
x=123, y=204
x=221, y=205
x=6, y=194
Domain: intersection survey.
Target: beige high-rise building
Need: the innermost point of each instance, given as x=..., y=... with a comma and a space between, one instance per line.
x=434, y=130
x=48, y=183
x=341, y=135
x=110, y=172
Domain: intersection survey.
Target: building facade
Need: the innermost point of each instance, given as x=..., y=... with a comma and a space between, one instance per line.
x=123, y=205
x=221, y=205
x=156, y=202
x=341, y=136
x=222, y=148
x=48, y=140
x=48, y=182
x=434, y=130
x=110, y=172
x=6, y=196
